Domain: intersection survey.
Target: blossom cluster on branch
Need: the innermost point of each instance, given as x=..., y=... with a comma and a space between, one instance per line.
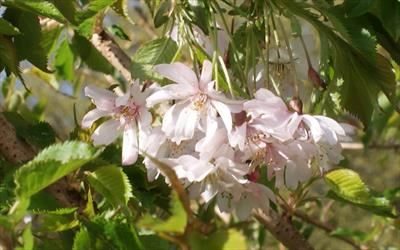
x=215, y=144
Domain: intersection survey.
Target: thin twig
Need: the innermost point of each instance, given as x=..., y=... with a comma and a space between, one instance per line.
x=327, y=228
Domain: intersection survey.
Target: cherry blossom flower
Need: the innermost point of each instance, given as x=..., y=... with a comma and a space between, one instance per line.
x=129, y=116
x=197, y=103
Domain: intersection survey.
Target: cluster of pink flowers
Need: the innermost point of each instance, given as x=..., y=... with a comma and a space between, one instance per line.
x=215, y=144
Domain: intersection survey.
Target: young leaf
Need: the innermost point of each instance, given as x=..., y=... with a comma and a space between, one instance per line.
x=346, y=185
x=82, y=240
x=7, y=28
x=50, y=165
x=175, y=223
x=8, y=55
x=158, y=51
x=111, y=182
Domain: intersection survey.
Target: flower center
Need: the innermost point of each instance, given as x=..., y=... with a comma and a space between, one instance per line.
x=199, y=101
x=129, y=111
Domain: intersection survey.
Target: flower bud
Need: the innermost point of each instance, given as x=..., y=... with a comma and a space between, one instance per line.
x=314, y=77
x=255, y=175
x=240, y=118
x=296, y=105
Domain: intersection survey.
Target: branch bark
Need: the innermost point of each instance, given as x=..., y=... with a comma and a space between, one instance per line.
x=12, y=148
x=283, y=230
x=107, y=46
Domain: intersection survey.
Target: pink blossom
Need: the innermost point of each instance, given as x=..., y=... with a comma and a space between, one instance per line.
x=197, y=103
x=128, y=114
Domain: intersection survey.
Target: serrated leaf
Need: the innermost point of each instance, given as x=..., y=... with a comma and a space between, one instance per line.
x=348, y=186
x=8, y=55
x=90, y=55
x=30, y=29
x=175, y=223
x=51, y=164
x=113, y=234
x=355, y=8
x=82, y=240
x=7, y=28
x=111, y=182
x=64, y=61
x=57, y=221
x=158, y=51
x=39, y=7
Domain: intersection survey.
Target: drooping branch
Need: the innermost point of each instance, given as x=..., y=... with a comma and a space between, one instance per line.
x=283, y=230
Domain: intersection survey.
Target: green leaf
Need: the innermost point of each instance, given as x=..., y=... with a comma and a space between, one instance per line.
x=200, y=14
x=50, y=35
x=119, y=32
x=8, y=55
x=152, y=241
x=94, y=7
x=27, y=237
x=155, y=52
x=50, y=165
x=57, y=221
x=175, y=223
x=161, y=16
x=388, y=12
x=7, y=28
x=90, y=55
x=38, y=7
x=111, y=182
x=29, y=26
x=112, y=234
x=348, y=187
x=355, y=8
x=356, y=234
x=64, y=61
x=121, y=8
x=82, y=240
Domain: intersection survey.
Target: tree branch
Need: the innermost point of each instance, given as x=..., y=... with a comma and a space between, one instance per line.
x=107, y=46
x=283, y=230
x=12, y=148
x=327, y=228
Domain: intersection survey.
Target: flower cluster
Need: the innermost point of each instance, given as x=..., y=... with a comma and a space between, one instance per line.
x=216, y=145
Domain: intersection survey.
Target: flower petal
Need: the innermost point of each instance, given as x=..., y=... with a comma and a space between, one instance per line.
x=106, y=133
x=102, y=98
x=171, y=118
x=130, y=144
x=93, y=116
x=187, y=122
x=179, y=73
x=225, y=114
x=206, y=74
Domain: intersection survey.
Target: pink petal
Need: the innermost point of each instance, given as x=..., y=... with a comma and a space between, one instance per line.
x=225, y=114
x=186, y=124
x=92, y=116
x=206, y=74
x=145, y=118
x=179, y=73
x=171, y=118
x=130, y=144
x=106, y=133
x=102, y=98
